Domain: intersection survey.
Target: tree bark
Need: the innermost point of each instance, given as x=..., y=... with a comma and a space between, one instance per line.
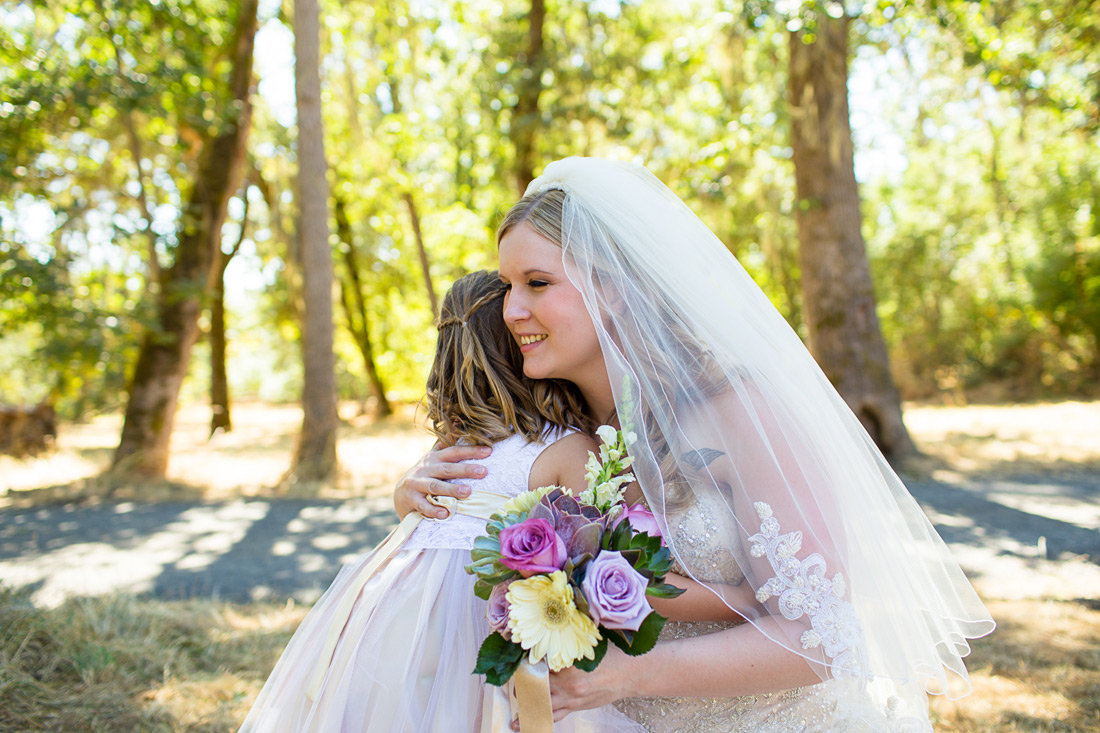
x=315, y=458
x=838, y=299
x=220, y=418
x=355, y=312
x=166, y=349
x=525, y=115
x=422, y=251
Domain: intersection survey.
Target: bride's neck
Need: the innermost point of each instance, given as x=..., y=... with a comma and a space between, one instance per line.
x=601, y=402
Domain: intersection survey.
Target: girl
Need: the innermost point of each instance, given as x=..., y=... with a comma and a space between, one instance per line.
x=392, y=643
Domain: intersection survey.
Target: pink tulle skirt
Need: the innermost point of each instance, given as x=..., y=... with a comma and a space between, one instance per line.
x=403, y=662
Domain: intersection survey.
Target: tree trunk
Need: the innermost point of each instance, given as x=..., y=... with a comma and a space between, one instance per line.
x=315, y=459
x=525, y=115
x=166, y=349
x=425, y=264
x=219, y=380
x=351, y=290
x=838, y=299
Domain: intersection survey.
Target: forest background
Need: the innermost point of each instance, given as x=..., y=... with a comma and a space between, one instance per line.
x=162, y=163
x=975, y=128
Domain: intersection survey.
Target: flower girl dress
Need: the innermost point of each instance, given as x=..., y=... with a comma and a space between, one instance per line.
x=392, y=648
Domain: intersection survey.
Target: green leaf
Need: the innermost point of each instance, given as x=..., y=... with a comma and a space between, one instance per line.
x=617, y=637
x=498, y=659
x=664, y=590
x=487, y=543
x=480, y=554
x=646, y=636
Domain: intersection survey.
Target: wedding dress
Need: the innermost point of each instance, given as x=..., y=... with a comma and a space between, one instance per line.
x=403, y=659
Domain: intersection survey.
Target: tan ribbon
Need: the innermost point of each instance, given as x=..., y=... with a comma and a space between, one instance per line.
x=480, y=504
x=533, y=696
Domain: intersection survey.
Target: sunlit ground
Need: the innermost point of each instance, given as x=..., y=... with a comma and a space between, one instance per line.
x=1010, y=439
x=248, y=461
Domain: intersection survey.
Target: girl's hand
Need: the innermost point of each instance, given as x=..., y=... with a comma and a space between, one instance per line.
x=572, y=690
x=426, y=478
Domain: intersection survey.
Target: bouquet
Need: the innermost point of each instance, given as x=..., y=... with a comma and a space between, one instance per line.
x=565, y=574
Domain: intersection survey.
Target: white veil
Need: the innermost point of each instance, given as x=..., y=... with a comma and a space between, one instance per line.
x=732, y=412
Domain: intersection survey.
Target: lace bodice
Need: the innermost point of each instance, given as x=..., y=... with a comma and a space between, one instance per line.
x=509, y=470
x=835, y=705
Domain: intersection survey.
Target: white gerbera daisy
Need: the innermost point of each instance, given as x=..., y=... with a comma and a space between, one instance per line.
x=544, y=620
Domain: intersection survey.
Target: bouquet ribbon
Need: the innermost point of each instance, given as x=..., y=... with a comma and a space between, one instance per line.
x=480, y=504
x=536, y=715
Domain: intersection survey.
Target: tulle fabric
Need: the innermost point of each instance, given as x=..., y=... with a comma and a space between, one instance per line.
x=731, y=411
x=413, y=624
x=404, y=661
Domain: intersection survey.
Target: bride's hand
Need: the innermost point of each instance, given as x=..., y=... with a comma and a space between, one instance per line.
x=572, y=690
x=428, y=476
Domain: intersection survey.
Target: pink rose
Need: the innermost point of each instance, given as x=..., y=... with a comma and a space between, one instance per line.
x=615, y=592
x=642, y=520
x=532, y=547
x=497, y=610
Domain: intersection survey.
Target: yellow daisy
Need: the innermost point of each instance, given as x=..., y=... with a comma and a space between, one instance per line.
x=544, y=620
x=526, y=501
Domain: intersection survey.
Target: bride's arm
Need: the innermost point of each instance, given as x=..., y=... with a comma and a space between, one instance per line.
x=738, y=661
x=700, y=603
x=428, y=477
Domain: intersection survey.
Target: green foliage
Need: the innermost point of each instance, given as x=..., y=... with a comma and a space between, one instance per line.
x=985, y=247
x=984, y=241
x=640, y=641
x=498, y=659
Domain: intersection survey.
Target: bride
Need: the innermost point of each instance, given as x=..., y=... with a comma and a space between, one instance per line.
x=769, y=491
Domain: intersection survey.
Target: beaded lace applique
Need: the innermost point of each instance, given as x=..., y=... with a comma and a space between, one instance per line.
x=802, y=589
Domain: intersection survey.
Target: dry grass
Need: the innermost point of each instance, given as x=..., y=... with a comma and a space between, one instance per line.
x=122, y=664
x=1040, y=438
x=1040, y=671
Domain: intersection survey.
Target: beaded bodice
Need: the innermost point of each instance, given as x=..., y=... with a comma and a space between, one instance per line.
x=701, y=540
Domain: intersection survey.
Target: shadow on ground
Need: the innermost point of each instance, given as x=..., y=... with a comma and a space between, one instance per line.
x=241, y=550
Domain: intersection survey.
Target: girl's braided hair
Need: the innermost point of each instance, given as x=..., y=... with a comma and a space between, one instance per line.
x=476, y=392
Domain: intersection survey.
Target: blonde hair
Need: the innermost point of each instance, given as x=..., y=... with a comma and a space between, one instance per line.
x=476, y=392
x=544, y=213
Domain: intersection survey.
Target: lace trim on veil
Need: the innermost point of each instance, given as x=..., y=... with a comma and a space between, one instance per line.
x=802, y=589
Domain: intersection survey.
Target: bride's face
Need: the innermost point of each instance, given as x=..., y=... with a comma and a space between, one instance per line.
x=546, y=313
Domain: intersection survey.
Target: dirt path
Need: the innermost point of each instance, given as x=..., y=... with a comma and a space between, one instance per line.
x=1024, y=521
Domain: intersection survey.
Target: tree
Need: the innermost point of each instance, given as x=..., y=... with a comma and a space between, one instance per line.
x=355, y=310
x=315, y=458
x=526, y=117
x=166, y=349
x=220, y=418
x=843, y=329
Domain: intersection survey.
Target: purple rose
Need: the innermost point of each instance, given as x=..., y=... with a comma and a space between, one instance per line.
x=497, y=610
x=642, y=520
x=615, y=592
x=532, y=547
